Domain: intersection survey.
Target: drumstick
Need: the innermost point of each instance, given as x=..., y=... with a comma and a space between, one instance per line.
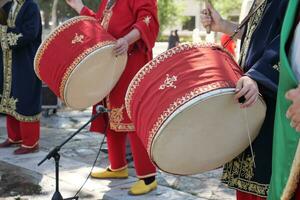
x=207, y=12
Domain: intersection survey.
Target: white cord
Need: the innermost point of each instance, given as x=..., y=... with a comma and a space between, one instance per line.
x=248, y=132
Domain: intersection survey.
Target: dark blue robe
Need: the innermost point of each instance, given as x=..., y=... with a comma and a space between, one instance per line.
x=20, y=89
x=260, y=61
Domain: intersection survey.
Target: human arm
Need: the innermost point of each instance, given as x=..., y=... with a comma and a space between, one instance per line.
x=77, y=5
x=217, y=23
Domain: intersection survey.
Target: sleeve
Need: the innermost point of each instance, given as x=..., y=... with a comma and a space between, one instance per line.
x=20, y=36
x=88, y=12
x=265, y=70
x=147, y=23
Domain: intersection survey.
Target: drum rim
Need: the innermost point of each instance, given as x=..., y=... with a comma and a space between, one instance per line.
x=77, y=62
x=70, y=72
x=146, y=69
x=185, y=106
x=53, y=34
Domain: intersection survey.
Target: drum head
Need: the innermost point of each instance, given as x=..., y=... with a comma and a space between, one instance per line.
x=94, y=78
x=205, y=133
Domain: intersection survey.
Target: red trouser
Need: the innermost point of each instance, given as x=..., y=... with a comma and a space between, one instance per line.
x=116, y=142
x=245, y=196
x=27, y=133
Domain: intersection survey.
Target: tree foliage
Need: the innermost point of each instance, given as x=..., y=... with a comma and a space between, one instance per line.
x=227, y=7
x=63, y=11
x=169, y=12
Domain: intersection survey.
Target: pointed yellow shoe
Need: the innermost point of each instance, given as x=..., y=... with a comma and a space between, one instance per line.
x=140, y=188
x=121, y=174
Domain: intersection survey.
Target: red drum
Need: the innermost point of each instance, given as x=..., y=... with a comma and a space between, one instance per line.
x=182, y=106
x=77, y=62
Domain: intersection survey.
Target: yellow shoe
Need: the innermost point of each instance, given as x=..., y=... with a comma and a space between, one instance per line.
x=140, y=188
x=121, y=174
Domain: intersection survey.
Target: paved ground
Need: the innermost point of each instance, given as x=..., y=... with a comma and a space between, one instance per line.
x=21, y=177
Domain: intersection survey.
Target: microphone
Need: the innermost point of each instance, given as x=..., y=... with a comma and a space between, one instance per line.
x=101, y=109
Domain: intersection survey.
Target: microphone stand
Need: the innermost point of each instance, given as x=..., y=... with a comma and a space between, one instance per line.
x=54, y=153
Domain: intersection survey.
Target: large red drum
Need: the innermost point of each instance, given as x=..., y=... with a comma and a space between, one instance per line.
x=182, y=106
x=77, y=62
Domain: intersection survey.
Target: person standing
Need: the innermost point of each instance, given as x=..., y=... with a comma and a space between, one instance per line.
x=20, y=89
x=286, y=146
x=250, y=174
x=135, y=25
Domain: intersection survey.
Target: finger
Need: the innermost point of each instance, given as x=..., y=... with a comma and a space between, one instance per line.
x=292, y=124
x=290, y=112
x=250, y=102
x=239, y=85
x=250, y=93
x=296, y=118
x=241, y=93
x=293, y=94
x=121, y=51
x=298, y=128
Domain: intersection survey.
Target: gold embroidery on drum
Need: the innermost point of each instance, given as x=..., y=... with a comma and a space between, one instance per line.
x=77, y=38
x=52, y=36
x=169, y=82
x=154, y=63
x=147, y=20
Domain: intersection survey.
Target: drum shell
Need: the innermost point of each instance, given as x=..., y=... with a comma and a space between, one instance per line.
x=172, y=80
x=65, y=49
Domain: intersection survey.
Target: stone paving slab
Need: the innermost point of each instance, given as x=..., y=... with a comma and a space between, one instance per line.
x=79, y=154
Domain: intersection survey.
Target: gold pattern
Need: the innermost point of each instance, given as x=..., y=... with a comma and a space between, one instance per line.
x=52, y=36
x=12, y=16
x=78, y=38
x=238, y=174
x=277, y=67
x=116, y=119
x=8, y=103
x=147, y=20
x=252, y=25
x=12, y=38
x=169, y=82
x=155, y=63
x=3, y=31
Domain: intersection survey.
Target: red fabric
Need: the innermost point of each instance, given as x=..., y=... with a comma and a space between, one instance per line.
x=231, y=44
x=98, y=125
x=13, y=129
x=28, y=132
x=297, y=195
x=62, y=52
x=197, y=69
x=117, y=150
x=129, y=14
x=245, y=196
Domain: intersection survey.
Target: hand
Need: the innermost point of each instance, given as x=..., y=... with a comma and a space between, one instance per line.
x=213, y=19
x=248, y=88
x=293, y=113
x=77, y=5
x=121, y=47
